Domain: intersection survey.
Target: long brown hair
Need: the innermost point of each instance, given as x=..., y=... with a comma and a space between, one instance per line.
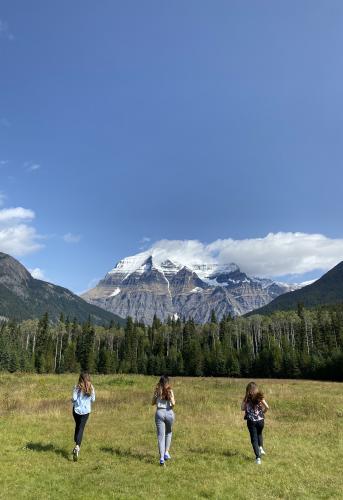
x=85, y=384
x=163, y=388
x=253, y=395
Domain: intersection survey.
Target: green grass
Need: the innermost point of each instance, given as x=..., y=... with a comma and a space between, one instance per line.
x=212, y=455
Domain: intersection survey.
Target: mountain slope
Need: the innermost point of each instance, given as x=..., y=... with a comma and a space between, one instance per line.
x=24, y=297
x=147, y=284
x=326, y=290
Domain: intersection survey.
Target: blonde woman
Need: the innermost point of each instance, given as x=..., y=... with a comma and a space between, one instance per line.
x=164, y=400
x=255, y=406
x=82, y=399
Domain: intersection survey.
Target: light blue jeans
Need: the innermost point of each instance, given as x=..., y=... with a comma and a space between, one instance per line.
x=164, y=420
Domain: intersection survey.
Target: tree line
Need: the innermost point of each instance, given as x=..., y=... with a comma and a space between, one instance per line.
x=297, y=344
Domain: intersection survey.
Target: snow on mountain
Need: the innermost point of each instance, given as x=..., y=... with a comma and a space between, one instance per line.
x=145, y=261
x=152, y=283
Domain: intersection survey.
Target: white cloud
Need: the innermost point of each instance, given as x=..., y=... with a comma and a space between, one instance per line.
x=72, y=238
x=15, y=214
x=19, y=240
x=144, y=242
x=31, y=166
x=3, y=198
x=37, y=273
x=3, y=163
x=17, y=237
x=277, y=254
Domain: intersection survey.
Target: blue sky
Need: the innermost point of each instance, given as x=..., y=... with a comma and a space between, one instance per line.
x=126, y=123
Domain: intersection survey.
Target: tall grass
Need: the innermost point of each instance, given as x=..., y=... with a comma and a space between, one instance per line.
x=212, y=455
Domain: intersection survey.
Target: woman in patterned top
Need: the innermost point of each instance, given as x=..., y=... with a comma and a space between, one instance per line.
x=255, y=406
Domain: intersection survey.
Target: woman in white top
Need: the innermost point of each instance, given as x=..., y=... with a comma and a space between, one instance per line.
x=164, y=400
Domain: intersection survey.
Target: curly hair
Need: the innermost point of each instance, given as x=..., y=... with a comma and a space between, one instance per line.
x=253, y=395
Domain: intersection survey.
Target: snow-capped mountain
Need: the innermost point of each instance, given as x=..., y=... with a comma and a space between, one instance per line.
x=146, y=284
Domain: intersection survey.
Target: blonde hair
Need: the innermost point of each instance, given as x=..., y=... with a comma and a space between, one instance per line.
x=85, y=384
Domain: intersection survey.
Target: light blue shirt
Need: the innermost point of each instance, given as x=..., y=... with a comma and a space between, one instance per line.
x=81, y=402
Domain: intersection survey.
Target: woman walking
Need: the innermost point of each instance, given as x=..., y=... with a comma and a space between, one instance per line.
x=255, y=406
x=83, y=397
x=164, y=400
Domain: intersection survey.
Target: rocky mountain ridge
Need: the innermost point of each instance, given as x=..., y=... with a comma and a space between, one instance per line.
x=145, y=285
x=327, y=290
x=24, y=297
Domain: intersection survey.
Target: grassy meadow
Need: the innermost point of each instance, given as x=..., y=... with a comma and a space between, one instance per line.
x=211, y=452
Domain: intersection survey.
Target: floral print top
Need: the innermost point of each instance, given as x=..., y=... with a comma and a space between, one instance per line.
x=254, y=413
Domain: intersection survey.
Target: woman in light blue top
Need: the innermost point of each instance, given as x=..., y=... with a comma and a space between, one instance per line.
x=83, y=397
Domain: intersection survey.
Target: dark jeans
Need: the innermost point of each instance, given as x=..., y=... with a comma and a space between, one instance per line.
x=255, y=430
x=80, y=422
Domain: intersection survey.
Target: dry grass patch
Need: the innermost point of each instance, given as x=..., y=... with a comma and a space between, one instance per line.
x=212, y=456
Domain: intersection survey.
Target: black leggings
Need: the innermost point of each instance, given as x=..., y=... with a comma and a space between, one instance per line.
x=255, y=430
x=80, y=422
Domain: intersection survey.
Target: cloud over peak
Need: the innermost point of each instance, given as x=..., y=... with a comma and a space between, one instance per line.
x=37, y=273
x=276, y=254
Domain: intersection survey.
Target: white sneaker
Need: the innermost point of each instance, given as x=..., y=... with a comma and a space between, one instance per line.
x=76, y=452
x=262, y=451
x=258, y=461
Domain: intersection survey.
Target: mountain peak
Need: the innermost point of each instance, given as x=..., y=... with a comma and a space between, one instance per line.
x=153, y=282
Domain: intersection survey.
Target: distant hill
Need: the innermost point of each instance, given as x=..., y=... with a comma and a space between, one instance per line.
x=24, y=297
x=326, y=290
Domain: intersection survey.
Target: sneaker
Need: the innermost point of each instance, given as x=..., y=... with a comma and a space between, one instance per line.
x=162, y=462
x=258, y=461
x=167, y=456
x=76, y=452
x=262, y=451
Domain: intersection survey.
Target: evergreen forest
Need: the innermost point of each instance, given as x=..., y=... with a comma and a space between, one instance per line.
x=307, y=343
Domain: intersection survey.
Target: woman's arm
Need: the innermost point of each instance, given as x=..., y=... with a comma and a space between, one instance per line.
x=93, y=395
x=243, y=405
x=74, y=395
x=265, y=405
x=172, y=398
x=153, y=401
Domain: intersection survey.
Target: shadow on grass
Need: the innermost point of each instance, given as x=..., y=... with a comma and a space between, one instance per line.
x=47, y=448
x=127, y=453
x=235, y=453
x=226, y=453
